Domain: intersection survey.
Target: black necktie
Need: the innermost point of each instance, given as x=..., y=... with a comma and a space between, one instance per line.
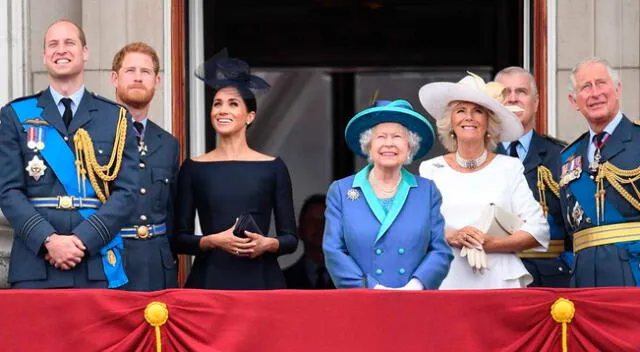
x=68, y=114
x=139, y=128
x=513, y=149
x=598, y=138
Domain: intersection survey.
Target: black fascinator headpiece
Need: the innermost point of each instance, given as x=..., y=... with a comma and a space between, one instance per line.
x=223, y=71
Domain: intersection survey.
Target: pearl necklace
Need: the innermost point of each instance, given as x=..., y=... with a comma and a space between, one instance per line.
x=473, y=163
x=374, y=183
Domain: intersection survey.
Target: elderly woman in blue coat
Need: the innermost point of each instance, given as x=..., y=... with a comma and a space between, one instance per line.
x=383, y=225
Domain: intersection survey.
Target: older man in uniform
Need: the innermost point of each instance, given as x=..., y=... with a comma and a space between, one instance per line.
x=148, y=260
x=598, y=182
x=540, y=155
x=69, y=175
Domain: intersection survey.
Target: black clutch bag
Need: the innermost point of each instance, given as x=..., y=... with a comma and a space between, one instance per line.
x=246, y=223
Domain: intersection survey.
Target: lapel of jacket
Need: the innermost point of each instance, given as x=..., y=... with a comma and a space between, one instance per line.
x=85, y=111
x=50, y=111
x=152, y=137
x=618, y=140
x=408, y=182
x=536, y=153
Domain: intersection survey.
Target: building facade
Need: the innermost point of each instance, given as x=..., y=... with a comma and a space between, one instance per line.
x=575, y=29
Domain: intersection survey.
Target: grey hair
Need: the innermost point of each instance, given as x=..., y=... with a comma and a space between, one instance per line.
x=519, y=70
x=447, y=136
x=591, y=60
x=414, y=144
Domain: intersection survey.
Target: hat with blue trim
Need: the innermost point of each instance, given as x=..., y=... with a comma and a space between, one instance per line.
x=399, y=111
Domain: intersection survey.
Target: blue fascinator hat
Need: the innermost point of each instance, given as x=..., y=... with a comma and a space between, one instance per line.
x=222, y=71
x=399, y=111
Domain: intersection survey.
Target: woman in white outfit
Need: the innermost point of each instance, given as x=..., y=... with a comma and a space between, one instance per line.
x=471, y=120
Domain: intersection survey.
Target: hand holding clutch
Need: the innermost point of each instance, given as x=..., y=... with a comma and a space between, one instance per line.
x=246, y=223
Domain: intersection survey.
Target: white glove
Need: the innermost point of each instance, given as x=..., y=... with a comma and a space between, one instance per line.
x=413, y=285
x=476, y=257
x=382, y=287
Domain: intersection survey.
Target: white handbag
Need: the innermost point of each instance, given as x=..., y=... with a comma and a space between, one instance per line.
x=497, y=222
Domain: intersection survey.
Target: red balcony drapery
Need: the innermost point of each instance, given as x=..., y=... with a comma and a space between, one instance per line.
x=339, y=320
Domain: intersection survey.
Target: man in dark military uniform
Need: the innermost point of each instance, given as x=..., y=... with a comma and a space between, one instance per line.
x=148, y=260
x=598, y=182
x=541, y=158
x=69, y=175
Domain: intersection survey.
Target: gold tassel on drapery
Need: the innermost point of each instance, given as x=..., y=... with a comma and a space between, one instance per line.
x=156, y=314
x=562, y=311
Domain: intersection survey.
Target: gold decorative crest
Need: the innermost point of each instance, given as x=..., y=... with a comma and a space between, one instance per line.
x=111, y=257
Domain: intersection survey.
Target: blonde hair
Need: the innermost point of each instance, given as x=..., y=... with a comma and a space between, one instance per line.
x=448, y=138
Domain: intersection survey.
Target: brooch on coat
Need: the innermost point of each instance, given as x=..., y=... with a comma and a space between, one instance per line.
x=353, y=194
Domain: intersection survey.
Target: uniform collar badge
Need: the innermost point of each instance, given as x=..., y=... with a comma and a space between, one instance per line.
x=36, y=168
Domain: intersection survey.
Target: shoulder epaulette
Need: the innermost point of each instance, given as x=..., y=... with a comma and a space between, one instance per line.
x=555, y=140
x=636, y=122
x=106, y=100
x=36, y=95
x=574, y=141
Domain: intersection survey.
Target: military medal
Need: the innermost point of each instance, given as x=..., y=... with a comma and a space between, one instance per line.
x=36, y=168
x=40, y=138
x=571, y=170
x=31, y=138
x=577, y=214
x=353, y=194
x=142, y=148
x=595, y=164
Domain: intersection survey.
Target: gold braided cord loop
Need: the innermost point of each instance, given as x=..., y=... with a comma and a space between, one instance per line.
x=87, y=164
x=545, y=179
x=617, y=178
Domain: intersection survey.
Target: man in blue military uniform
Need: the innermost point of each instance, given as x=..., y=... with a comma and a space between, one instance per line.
x=541, y=158
x=148, y=260
x=598, y=194
x=69, y=175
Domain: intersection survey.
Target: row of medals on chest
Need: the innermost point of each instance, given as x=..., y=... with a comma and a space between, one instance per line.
x=36, y=142
x=572, y=170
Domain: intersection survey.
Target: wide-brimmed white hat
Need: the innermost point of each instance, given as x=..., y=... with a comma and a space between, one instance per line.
x=435, y=97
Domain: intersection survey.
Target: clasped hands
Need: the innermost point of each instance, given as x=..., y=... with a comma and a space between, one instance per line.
x=470, y=240
x=64, y=252
x=252, y=246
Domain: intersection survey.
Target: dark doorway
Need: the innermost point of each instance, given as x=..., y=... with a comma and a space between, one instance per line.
x=345, y=37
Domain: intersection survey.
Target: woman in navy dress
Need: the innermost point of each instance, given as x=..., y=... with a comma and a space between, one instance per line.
x=231, y=180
